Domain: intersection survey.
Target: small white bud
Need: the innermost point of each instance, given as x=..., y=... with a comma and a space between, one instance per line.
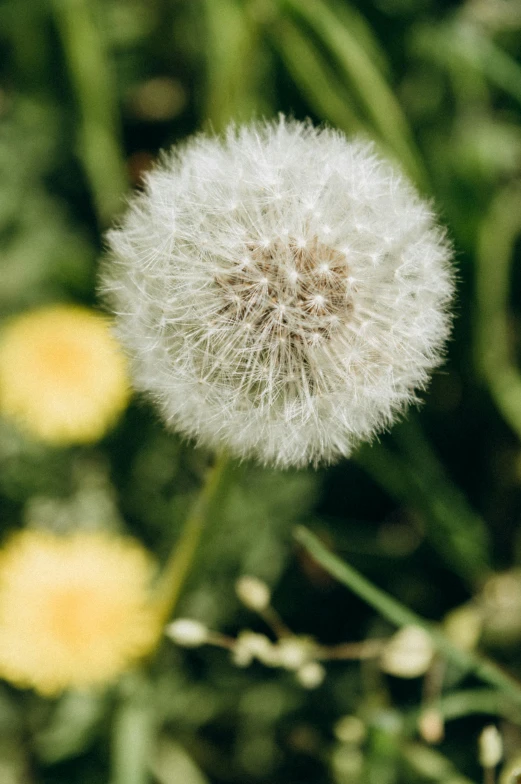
x=408, y=654
x=294, y=652
x=311, y=675
x=187, y=632
x=490, y=747
x=249, y=646
x=431, y=726
x=350, y=729
x=463, y=626
x=501, y=606
x=347, y=763
x=253, y=593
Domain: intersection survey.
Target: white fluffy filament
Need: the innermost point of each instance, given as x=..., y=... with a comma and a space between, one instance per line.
x=282, y=292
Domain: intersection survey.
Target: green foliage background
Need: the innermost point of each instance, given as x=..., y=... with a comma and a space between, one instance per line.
x=90, y=91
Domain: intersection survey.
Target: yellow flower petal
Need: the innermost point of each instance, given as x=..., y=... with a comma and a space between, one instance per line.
x=74, y=610
x=63, y=376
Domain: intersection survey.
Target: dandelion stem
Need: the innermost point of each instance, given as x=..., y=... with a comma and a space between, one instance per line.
x=181, y=559
x=400, y=615
x=99, y=133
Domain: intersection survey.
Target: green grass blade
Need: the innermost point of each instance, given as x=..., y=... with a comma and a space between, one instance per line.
x=361, y=30
x=365, y=81
x=235, y=64
x=494, y=350
x=458, y=522
x=133, y=734
x=99, y=131
x=314, y=76
x=459, y=44
x=400, y=615
x=456, y=532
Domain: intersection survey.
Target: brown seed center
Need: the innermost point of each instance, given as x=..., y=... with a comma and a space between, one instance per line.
x=288, y=290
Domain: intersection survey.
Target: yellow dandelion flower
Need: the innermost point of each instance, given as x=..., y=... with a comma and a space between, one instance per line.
x=75, y=610
x=63, y=376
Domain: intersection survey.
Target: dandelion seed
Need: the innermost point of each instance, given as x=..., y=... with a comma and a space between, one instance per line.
x=344, y=293
x=63, y=377
x=74, y=610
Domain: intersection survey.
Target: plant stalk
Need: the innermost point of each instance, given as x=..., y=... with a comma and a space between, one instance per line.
x=400, y=615
x=181, y=559
x=91, y=78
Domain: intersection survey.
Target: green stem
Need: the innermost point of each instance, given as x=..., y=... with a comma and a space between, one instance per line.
x=134, y=730
x=495, y=355
x=430, y=764
x=234, y=71
x=181, y=559
x=473, y=701
x=91, y=77
x=314, y=76
x=400, y=615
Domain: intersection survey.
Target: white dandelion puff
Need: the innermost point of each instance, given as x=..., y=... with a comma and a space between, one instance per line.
x=281, y=292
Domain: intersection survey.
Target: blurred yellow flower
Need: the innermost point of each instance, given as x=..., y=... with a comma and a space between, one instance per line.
x=75, y=610
x=63, y=376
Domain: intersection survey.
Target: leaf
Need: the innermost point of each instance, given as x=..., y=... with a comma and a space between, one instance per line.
x=495, y=355
x=235, y=63
x=99, y=131
x=401, y=615
x=417, y=479
x=133, y=733
x=173, y=765
x=315, y=77
x=364, y=79
x=71, y=727
x=431, y=765
x=459, y=44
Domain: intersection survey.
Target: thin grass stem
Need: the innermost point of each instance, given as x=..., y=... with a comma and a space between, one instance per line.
x=182, y=557
x=400, y=615
x=92, y=81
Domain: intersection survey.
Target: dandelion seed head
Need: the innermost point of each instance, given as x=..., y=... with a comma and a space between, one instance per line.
x=296, y=324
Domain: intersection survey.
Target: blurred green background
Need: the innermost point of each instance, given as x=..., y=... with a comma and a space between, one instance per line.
x=89, y=93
